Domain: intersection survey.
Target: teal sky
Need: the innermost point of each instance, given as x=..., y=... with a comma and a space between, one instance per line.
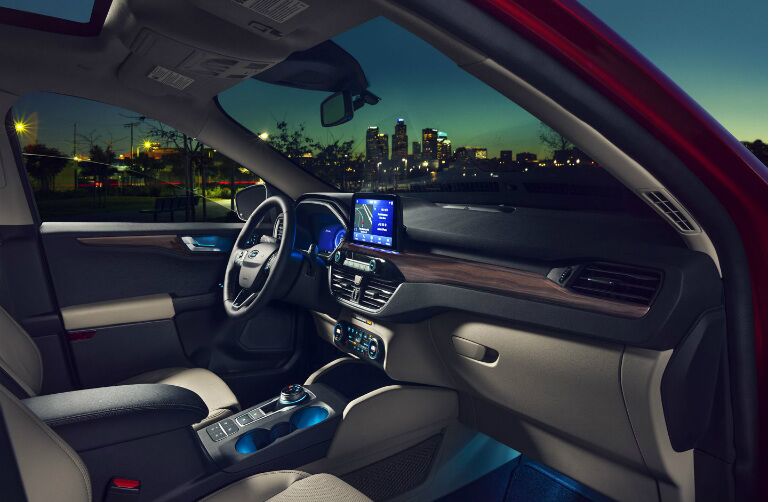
x=716, y=50
x=72, y=10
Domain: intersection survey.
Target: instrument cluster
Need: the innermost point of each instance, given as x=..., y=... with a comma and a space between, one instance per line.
x=319, y=223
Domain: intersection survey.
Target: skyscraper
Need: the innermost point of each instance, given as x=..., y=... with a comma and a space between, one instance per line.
x=371, y=143
x=382, y=147
x=429, y=144
x=416, y=151
x=400, y=141
x=443, y=148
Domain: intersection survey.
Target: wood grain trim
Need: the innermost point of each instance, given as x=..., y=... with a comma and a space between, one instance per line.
x=423, y=267
x=171, y=242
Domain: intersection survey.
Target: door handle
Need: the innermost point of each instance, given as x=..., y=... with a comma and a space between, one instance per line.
x=207, y=243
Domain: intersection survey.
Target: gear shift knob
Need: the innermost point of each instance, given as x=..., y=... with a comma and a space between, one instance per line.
x=292, y=394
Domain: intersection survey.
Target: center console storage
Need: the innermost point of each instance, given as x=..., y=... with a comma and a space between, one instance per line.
x=140, y=432
x=94, y=418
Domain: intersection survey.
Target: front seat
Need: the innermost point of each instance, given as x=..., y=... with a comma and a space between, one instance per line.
x=21, y=371
x=50, y=470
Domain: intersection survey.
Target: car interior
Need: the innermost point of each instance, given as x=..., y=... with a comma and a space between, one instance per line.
x=329, y=338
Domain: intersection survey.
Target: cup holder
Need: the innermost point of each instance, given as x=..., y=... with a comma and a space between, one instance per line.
x=253, y=441
x=256, y=439
x=308, y=417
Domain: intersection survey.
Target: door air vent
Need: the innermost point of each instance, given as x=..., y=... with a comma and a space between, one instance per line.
x=617, y=282
x=672, y=211
x=376, y=293
x=343, y=284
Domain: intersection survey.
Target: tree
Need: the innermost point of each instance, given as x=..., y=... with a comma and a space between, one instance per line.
x=332, y=160
x=100, y=164
x=295, y=143
x=758, y=148
x=553, y=140
x=190, y=150
x=44, y=163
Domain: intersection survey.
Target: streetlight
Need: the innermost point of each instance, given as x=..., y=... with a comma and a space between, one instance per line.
x=264, y=136
x=147, y=144
x=20, y=127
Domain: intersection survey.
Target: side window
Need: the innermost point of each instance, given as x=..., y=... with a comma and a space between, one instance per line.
x=87, y=161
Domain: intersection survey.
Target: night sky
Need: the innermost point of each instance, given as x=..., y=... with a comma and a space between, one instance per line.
x=715, y=50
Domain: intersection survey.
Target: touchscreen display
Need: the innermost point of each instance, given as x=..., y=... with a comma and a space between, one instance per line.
x=374, y=221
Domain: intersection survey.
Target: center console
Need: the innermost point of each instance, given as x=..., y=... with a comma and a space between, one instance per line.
x=299, y=423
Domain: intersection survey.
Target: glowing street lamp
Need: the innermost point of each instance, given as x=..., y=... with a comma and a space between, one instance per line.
x=264, y=136
x=20, y=127
x=147, y=144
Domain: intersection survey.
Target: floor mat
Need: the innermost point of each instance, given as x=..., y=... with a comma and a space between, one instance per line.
x=523, y=480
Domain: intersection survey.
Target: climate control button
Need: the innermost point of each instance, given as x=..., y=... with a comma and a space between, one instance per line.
x=373, y=349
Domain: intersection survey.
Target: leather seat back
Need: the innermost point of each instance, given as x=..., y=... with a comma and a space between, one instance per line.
x=49, y=468
x=21, y=367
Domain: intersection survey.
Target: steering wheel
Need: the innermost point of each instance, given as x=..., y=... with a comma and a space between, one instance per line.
x=254, y=273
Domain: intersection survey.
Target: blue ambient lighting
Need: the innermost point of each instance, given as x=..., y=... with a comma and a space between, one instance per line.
x=253, y=441
x=308, y=417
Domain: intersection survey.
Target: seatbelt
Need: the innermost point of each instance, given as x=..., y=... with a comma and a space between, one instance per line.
x=12, y=385
x=10, y=478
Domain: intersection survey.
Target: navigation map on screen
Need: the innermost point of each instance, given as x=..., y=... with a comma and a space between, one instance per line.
x=373, y=222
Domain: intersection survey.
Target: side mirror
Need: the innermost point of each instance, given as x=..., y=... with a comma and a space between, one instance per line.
x=337, y=109
x=248, y=199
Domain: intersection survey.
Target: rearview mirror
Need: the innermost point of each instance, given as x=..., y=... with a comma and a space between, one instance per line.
x=337, y=109
x=248, y=199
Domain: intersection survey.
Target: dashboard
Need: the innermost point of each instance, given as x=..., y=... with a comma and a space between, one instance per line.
x=533, y=270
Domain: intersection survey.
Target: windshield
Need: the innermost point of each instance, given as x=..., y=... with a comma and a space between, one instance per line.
x=438, y=132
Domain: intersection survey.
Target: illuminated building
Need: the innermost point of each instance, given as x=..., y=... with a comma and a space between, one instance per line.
x=416, y=150
x=526, y=157
x=400, y=141
x=371, y=143
x=443, y=148
x=471, y=153
x=429, y=144
x=381, y=147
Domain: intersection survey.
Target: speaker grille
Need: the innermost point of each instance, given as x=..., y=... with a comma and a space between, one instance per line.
x=396, y=474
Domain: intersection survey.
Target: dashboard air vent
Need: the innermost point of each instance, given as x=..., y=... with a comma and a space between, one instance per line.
x=617, y=282
x=343, y=284
x=376, y=293
x=671, y=210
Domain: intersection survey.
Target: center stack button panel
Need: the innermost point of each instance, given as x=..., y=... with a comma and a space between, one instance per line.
x=359, y=342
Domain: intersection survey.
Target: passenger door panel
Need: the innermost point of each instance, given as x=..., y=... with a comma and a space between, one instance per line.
x=135, y=297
